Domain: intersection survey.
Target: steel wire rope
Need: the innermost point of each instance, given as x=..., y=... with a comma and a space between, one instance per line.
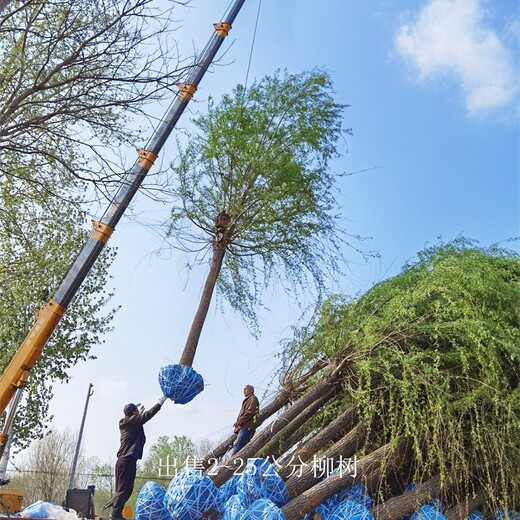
x=252, y=45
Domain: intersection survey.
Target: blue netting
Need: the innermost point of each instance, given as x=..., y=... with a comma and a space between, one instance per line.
x=263, y=509
x=150, y=503
x=191, y=494
x=233, y=508
x=350, y=510
x=427, y=512
x=410, y=487
x=475, y=515
x=503, y=515
x=229, y=488
x=322, y=510
x=180, y=383
x=357, y=492
x=260, y=480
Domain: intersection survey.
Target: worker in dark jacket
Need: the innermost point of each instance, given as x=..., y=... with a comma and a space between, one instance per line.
x=247, y=419
x=130, y=451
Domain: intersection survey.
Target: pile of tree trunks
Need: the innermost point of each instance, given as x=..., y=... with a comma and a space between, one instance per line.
x=283, y=439
x=418, y=382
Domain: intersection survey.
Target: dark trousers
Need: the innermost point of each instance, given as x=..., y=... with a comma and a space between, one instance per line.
x=125, y=476
x=243, y=437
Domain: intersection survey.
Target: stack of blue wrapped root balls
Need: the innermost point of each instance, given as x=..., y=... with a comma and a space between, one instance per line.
x=259, y=493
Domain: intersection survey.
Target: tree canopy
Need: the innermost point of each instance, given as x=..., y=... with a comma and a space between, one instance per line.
x=434, y=356
x=261, y=157
x=72, y=76
x=38, y=242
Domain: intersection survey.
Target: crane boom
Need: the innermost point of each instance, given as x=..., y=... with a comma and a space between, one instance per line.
x=17, y=372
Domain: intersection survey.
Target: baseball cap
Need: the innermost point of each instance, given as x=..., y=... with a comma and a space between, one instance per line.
x=129, y=409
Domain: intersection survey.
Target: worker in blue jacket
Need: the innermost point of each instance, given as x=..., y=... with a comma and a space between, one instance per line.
x=130, y=451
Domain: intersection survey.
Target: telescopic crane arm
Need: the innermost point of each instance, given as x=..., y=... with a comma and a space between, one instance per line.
x=17, y=372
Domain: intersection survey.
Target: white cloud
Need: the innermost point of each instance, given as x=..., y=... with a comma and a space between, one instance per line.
x=449, y=37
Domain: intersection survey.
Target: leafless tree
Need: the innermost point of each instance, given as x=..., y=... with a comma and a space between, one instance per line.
x=47, y=467
x=73, y=73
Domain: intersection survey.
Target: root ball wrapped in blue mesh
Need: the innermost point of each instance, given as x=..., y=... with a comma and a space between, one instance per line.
x=350, y=509
x=263, y=509
x=233, y=508
x=180, y=383
x=229, y=488
x=260, y=480
x=322, y=510
x=150, y=503
x=427, y=512
x=357, y=492
x=191, y=494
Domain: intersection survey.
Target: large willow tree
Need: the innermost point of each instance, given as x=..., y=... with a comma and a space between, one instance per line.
x=254, y=185
x=434, y=357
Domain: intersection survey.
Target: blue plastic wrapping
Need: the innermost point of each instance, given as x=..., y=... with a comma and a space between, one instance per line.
x=180, y=383
x=233, y=508
x=150, y=503
x=475, y=515
x=350, y=510
x=437, y=504
x=357, y=492
x=36, y=510
x=191, y=494
x=427, y=512
x=263, y=509
x=410, y=487
x=260, y=480
x=229, y=488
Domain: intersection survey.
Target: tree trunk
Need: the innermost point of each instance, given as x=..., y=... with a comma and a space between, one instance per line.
x=401, y=505
x=278, y=445
x=326, y=389
x=463, y=509
x=301, y=481
x=313, y=445
x=188, y=354
x=313, y=497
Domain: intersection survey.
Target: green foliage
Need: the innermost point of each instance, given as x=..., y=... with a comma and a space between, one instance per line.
x=435, y=354
x=167, y=456
x=72, y=75
x=262, y=155
x=39, y=238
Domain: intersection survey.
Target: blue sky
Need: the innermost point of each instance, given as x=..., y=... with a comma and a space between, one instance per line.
x=433, y=89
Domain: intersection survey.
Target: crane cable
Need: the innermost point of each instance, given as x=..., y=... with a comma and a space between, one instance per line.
x=252, y=44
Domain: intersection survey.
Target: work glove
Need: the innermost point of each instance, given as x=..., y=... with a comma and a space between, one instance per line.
x=141, y=410
x=161, y=400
